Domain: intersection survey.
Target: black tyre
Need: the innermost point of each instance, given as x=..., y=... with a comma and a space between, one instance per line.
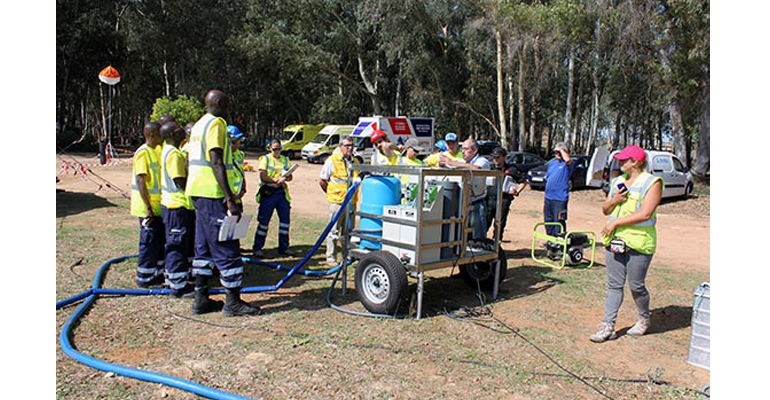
x=688, y=191
x=381, y=282
x=575, y=256
x=323, y=158
x=484, y=272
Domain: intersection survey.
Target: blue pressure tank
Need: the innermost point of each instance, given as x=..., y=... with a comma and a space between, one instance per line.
x=376, y=192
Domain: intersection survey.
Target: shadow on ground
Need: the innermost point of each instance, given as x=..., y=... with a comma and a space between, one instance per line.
x=72, y=203
x=666, y=319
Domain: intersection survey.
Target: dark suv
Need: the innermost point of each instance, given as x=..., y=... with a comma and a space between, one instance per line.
x=523, y=161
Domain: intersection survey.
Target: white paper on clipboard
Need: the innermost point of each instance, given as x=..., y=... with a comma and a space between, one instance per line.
x=508, y=184
x=290, y=170
x=233, y=229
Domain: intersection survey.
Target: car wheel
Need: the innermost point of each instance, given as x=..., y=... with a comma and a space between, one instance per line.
x=688, y=190
x=322, y=159
x=484, y=272
x=381, y=282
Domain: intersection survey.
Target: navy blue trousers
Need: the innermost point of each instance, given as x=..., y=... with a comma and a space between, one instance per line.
x=209, y=251
x=276, y=201
x=555, y=211
x=152, y=239
x=177, y=223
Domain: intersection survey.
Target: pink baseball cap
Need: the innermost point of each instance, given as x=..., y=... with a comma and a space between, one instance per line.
x=633, y=151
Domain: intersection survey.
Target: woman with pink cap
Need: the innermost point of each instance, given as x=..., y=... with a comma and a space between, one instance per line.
x=630, y=238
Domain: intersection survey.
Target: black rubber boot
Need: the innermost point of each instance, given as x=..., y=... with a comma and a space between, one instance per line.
x=202, y=304
x=235, y=307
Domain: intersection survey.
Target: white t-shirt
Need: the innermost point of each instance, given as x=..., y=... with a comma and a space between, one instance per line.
x=479, y=185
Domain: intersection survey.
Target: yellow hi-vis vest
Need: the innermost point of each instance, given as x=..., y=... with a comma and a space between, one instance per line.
x=380, y=159
x=152, y=182
x=238, y=157
x=338, y=182
x=200, y=179
x=457, y=157
x=641, y=237
x=171, y=195
x=274, y=172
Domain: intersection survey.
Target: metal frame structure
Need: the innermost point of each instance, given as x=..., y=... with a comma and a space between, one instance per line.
x=418, y=269
x=561, y=241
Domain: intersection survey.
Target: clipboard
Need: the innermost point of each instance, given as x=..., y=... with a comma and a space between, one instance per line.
x=232, y=229
x=290, y=170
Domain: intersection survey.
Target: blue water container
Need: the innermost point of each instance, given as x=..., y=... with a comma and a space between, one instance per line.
x=376, y=192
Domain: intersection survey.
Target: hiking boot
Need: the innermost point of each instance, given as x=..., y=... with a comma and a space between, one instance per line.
x=202, y=304
x=606, y=332
x=640, y=327
x=235, y=307
x=331, y=262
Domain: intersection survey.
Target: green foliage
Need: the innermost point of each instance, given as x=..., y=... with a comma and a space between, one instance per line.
x=184, y=109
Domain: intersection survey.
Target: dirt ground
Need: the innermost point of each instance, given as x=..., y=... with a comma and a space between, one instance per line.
x=683, y=246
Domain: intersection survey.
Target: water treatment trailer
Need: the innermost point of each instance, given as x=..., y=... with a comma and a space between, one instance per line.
x=384, y=261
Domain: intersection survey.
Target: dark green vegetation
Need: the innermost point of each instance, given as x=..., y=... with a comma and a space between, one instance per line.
x=522, y=72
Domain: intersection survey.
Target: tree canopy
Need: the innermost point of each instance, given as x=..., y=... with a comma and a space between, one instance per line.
x=525, y=73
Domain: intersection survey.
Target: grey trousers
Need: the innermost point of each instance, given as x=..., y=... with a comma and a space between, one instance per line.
x=335, y=232
x=632, y=265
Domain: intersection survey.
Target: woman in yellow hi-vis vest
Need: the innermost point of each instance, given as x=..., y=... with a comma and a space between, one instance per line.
x=145, y=204
x=273, y=194
x=630, y=238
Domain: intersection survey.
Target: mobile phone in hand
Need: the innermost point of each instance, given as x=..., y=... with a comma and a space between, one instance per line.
x=622, y=187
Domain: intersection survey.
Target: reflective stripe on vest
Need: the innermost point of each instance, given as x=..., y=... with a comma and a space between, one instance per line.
x=641, y=191
x=154, y=171
x=172, y=196
x=201, y=181
x=271, y=173
x=338, y=183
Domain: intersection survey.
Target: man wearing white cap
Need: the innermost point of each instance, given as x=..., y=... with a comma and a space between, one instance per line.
x=453, y=148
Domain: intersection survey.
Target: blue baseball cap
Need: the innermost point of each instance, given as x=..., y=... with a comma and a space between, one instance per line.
x=441, y=145
x=234, y=133
x=451, y=136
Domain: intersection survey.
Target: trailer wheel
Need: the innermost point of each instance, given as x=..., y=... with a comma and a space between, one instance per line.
x=484, y=271
x=381, y=282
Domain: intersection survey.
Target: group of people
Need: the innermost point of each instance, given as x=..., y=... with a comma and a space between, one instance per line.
x=181, y=196
x=186, y=181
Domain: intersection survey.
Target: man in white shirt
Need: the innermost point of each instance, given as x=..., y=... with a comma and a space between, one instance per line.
x=473, y=160
x=333, y=182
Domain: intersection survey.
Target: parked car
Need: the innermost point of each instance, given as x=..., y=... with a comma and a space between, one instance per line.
x=524, y=161
x=677, y=179
x=536, y=175
x=486, y=147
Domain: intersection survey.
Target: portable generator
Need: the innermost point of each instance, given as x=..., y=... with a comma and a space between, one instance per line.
x=564, y=249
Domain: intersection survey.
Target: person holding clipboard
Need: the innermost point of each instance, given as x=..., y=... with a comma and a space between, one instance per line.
x=273, y=194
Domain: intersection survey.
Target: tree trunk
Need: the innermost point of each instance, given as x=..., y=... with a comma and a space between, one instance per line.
x=500, y=89
x=576, y=132
x=522, y=69
x=371, y=88
x=570, y=89
x=615, y=143
x=595, y=116
x=703, y=159
x=511, y=110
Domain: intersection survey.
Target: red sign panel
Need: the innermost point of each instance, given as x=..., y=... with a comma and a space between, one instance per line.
x=399, y=126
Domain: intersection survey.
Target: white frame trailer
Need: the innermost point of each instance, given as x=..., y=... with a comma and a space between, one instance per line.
x=475, y=260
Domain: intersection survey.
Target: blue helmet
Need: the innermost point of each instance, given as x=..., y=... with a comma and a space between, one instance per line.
x=233, y=132
x=441, y=145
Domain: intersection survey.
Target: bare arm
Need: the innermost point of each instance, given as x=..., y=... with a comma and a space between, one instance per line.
x=324, y=184
x=144, y=194
x=220, y=174
x=649, y=204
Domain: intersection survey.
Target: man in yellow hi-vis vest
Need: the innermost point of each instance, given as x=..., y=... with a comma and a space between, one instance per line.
x=273, y=194
x=211, y=185
x=145, y=204
x=334, y=175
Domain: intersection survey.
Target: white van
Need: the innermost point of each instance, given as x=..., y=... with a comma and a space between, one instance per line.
x=398, y=129
x=325, y=142
x=677, y=179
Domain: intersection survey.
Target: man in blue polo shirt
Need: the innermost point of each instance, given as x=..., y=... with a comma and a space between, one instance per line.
x=557, y=178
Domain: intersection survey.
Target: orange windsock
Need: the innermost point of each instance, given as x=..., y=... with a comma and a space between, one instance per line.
x=109, y=75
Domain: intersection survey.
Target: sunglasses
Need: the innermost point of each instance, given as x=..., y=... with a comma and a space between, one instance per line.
x=347, y=145
x=276, y=148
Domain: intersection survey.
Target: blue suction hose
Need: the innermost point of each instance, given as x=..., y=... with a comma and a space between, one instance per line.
x=91, y=295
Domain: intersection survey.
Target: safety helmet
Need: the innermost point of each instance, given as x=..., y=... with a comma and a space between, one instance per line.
x=377, y=135
x=233, y=132
x=441, y=145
